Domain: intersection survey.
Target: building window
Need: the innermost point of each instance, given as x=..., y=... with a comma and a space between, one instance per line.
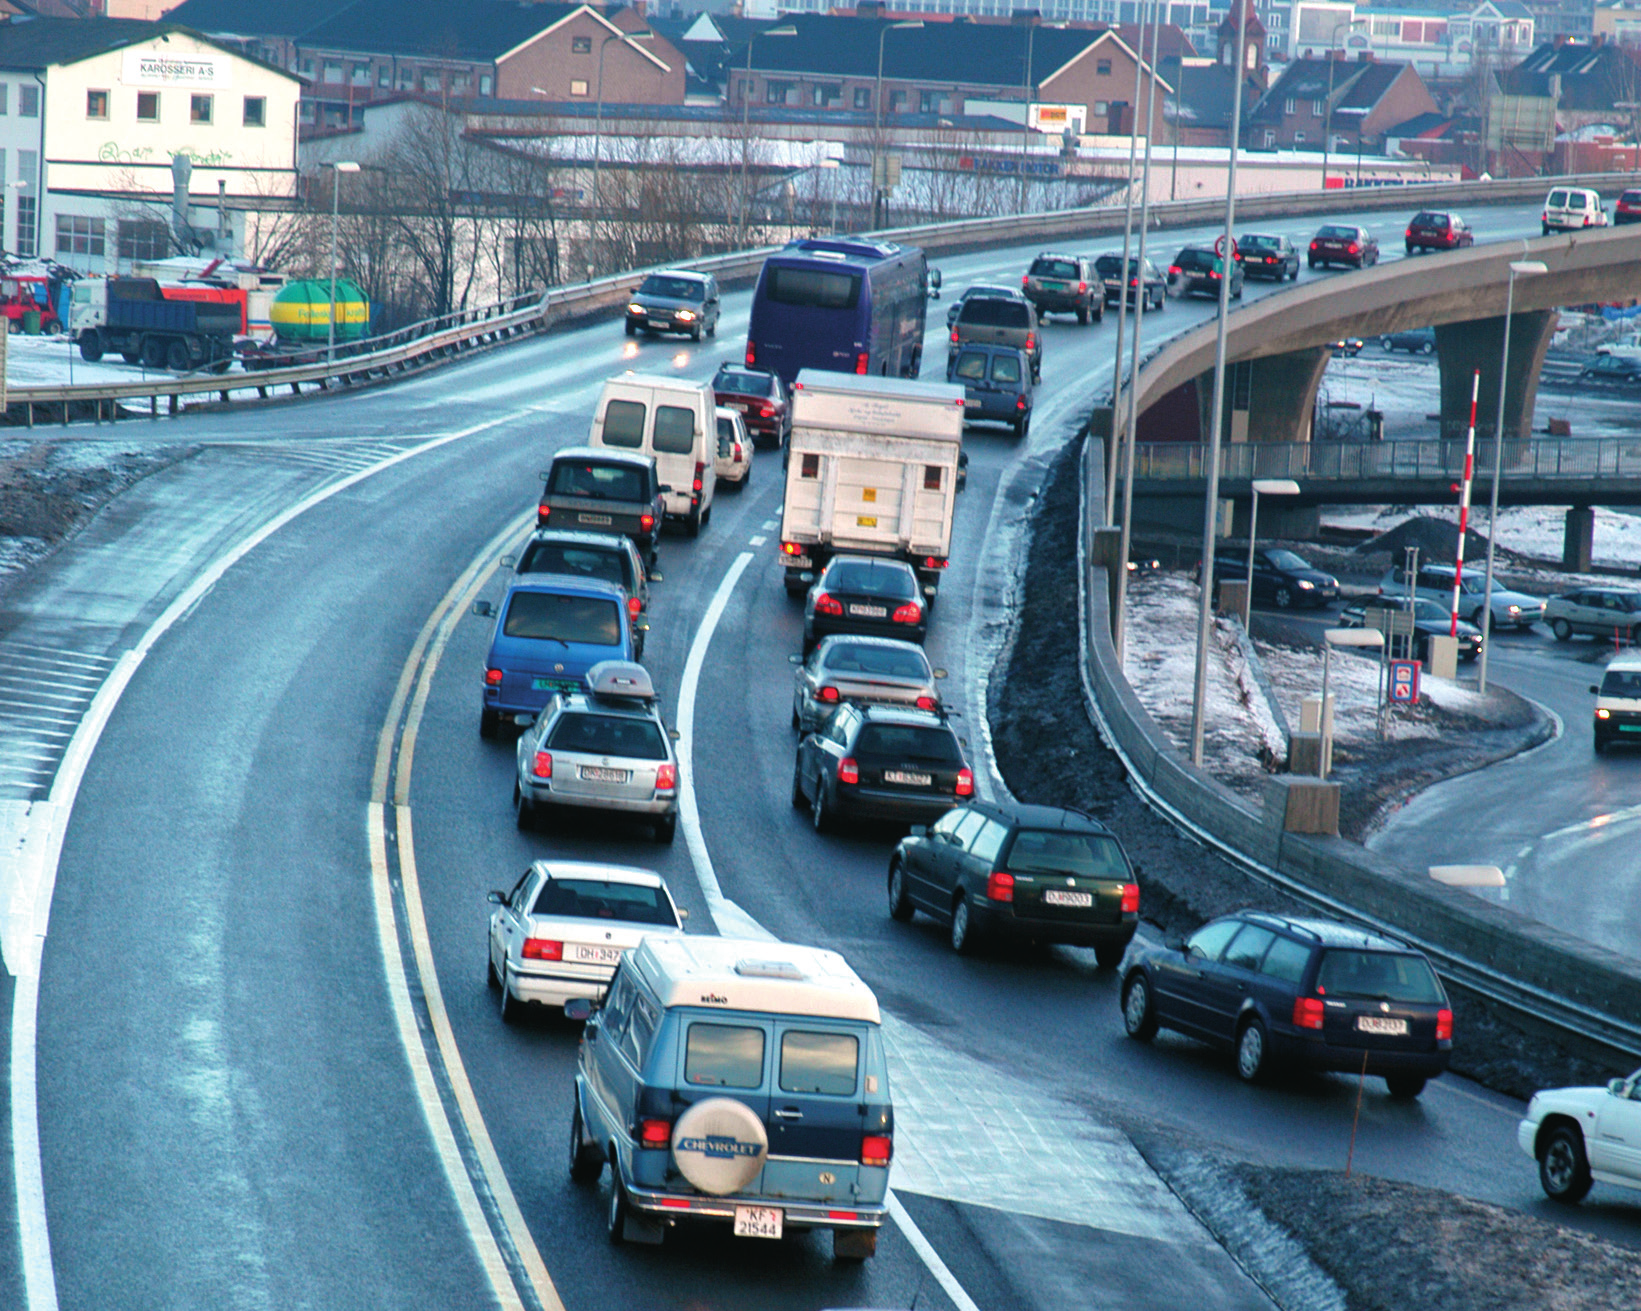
x=928, y=102
x=581, y=45
x=26, y=218
x=1298, y=138
x=256, y=111
x=1102, y=67
x=484, y=84
x=96, y=104
x=361, y=75
x=828, y=95
x=776, y=93
x=460, y=82
x=78, y=235
x=407, y=79
x=28, y=100
x=897, y=101
x=384, y=76
x=5, y=91
x=199, y=110
x=333, y=72
x=431, y=82
x=1270, y=139
x=1289, y=106
x=1316, y=109
x=138, y=239
x=148, y=106
x=863, y=97
x=578, y=87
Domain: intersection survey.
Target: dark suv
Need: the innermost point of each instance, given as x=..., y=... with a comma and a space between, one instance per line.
x=1013, y=870
x=1309, y=992
x=1064, y=284
x=880, y=762
x=594, y=489
x=1196, y=270
x=996, y=321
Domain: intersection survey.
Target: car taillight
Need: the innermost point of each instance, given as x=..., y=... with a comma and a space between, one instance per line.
x=1444, y=1025
x=861, y=360
x=1133, y=282
x=699, y=470
x=542, y=765
x=1031, y=341
x=828, y=693
x=876, y=1149
x=926, y=703
x=1082, y=288
x=954, y=336
x=646, y=521
x=848, y=770
x=1020, y=402
x=654, y=1133
x=492, y=678
x=751, y=353
x=910, y=613
x=999, y=886
x=1130, y=898
x=827, y=605
x=1313, y=245
x=738, y=455
x=766, y=411
x=542, y=511
x=1025, y=282
x=666, y=777
x=1213, y=273
x=543, y=949
x=1307, y=1012
x=791, y=548
x=634, y=607
x=1410, y=232
x=965, y=782
x=1351, y=249
x=1174, y=270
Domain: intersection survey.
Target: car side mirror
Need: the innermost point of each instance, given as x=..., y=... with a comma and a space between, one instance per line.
x=484, y=609
x=507, y=562
x=1174, y=941
x=940, y=673
x=497, y=898
x=656, y=576
x=581, y=1009
x=683, y=914
x=920, y=830
x=674, y=734
x=794, y=659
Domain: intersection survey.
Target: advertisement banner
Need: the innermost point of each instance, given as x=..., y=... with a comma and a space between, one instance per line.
x=160, y=68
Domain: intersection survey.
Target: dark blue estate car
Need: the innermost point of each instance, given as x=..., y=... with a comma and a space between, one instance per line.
x=996, y=384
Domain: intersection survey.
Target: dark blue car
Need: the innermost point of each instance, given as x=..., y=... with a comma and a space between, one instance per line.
x=996, y=383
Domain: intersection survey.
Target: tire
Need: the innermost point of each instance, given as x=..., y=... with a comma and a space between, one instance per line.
x=1546, y=231
x=491, y=979
x=1312, y=263
x=665, y=829
x=1237, y=295
x=1139, y=1015
x=523, y=811
x=1251, y=1060
x=1022, y=426
x=153, y=353
x=632, y=328
x=695, y=335
x=1294, y=276
x=1562, y=629
x=511, y=1006
x=91, y=345
x=1427, y=348
x=965, y=940
x=1108, y=955
x=615, y=1215
x=489, y=722
x=799, y=800
x=854, y=1244
x=1384, y=345
x=1563, y=1168
x=817, y=808
x=1284, y=598
x=1412, y=249
x=693, y=524
x=1405, y=1087
x=131, y=357
x=900, y=905
x=1082, y=315
x=178, y=359
x=586, y=1162
x=712, y=330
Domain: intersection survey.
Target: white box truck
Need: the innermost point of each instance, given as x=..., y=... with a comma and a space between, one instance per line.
x=874, y=468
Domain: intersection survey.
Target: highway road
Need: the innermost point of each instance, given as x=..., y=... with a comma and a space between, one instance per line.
x=266, y=1066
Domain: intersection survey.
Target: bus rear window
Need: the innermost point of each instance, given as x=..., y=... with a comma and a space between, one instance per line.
x=824, y=289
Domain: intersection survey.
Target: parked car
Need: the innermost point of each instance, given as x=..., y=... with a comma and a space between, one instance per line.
x=605, y=491
x=562, y=930
x=605, y=748
x=1609, y=613
x=979, y=289
x=1110, y=269
x=1337, y=244
x=880, y=762
x=1196, y=270
x=1435, y=583
x=865, y=594
x=1415, y=341
x=1613, y=370
x=998, y=321
x=1628, y=208
x=1266, y=255
x=1010, y=870
x=1350, y=347
x=732, y=465
x=1064, y=284
x=593, y=555
x=997, y=384
x=863, y=671
x=1571, y=209
x=1580, y=1136
x=760, y=396
x=1437, y=230
x=1276, y=989
x=675, y=300
x=1281, y=577
x=1429, y=620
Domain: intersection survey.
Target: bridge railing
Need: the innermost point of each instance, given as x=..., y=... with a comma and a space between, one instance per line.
x=1539, y=458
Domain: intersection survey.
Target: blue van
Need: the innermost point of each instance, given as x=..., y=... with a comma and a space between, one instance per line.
x=550, y=630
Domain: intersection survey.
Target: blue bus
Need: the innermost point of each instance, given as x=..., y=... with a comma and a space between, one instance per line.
x=841, y=304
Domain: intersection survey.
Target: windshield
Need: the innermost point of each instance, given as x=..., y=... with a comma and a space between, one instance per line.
x=1039, y=851
x=1382, y=975
x=884, y=661
x=1621, y=682
x=608, y=735
x=871, y=580
x=935, y=746
x=593, y=899
x=579, y=561
x=821, y=288
x=601, y=482
x=658, y=284
x=594, y=620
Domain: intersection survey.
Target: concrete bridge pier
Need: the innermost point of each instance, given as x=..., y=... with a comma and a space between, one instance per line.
x=1268, y=399
x=1462, y=348
x=1578, y=538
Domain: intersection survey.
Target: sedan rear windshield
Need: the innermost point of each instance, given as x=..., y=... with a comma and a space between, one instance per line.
x=602, y=482
x=871, y=580
x=885, y=661
x=608, y=735
x=1429, y=221
x=1053, y=268
x=744, y=384
x=1255, y=242
x=1337, y=234
x=578, y=561
x=1197, y=259
x=1381, y=975
x=994, y=312
x=909, y=742
x=594, y=620
x=592, y=899
x=1046, y=851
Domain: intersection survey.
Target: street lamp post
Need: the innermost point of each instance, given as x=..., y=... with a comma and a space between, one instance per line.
x=598, y=106
x=877, y=105
x=746, y=114
x=1122, y=300
x=1025, y=118
x=1270, y=487
x=344, y=166
x=1327, y=128
x=832, y=166
x=1526, y=268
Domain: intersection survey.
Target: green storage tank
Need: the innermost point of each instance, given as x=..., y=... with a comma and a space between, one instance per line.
x=301, y=311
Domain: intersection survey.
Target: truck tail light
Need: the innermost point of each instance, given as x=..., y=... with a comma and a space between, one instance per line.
x=751, y=353
x=1307, y=1013
x=848, y=770
x=634, y=607
x=646, y=521
x=1444, y=1025
x=654, y=1133
x=791, y=548
x=876, y=1149
x=666, y=777
x=1130, y=898
x=910, y=613
x=926, y=703
x=965, y=782
x=828, y=693
x=999, y=886
x=862, y=363
x=543, y=949
x=933, y=562
x=700, y=471
x=826, y=604
x=542, y=766
x=542, y=513
x=492, y=678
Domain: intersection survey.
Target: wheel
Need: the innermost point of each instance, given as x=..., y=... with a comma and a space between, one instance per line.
x=1546, y=231
x=817, y=807
x=177, y=358
x=1162, y=301
x=131, y=357
x=712, y=328
x=1284, y=597
x=1108, y=955
x=799, y=801
x=523, y=811
x=746, y=480
x=510, y=1005
x=491, y=979
x=1294, y=276
x=696, y=333
x=1139, y=1017
x=1562, y=629
x=900, y=905
x=1237, y=294
x=1563, y=1168
x=1599, y=745
x=665, y=829
x=1250, y=1051
x=1405, y=1087
x=964, y=937
x=1427, y=348
x=489, y=722
x=632, y=328
x=1022, y=426
x=586, y=1163
x=615, y=1218
x=153, y=353
x=1411, y=248
x=693, y=525
x=1384, y=344
x=91, y=345
x=1082, y=315
x=1311, y=262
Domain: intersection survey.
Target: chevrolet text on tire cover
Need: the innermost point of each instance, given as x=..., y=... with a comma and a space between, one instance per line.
x=719, y=1145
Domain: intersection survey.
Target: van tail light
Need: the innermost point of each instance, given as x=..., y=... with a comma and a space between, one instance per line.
x=1444, y=1025
x=862, y=362
x=1031, y=341
x=751, y=353
x=876, y=1149
x=999, y=886
x=827, y=604
x=542, y=767
x=828, y=693
x=700, y=470
x=1020, y=403
x=910, y=613
x=543, y=949
x=492, y=678
x=965, y=782
x=666, y=777
x=646, y=521
x=654, y=1133
x=542, y=513
x=1307, y=1013
x=927, y=703
x=848, y=770
x=634, y=607
x=1130, y=898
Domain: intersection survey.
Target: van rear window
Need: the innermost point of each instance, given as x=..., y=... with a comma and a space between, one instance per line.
x=819, y=1062
x=674, y=429
x=996, y=313
x=577, y=561
x=593, y=620
x=624, y=423
x=724, y=1056
x=824, y=289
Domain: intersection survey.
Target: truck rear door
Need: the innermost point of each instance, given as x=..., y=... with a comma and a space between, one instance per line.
x=866, y=497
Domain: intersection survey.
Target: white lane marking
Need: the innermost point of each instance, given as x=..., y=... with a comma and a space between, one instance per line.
x=769, y=525
x=30, y=870
x=758, y=540
x=931, y=1258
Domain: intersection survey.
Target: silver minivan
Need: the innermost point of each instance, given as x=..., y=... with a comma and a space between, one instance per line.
x=675, y=300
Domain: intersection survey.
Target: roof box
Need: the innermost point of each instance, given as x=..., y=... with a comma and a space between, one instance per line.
x=620, y=678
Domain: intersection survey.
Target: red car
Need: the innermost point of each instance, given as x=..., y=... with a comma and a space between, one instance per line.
x=760, y=396
x=1628, y=209
x=1433, y=230
x=1336, y=244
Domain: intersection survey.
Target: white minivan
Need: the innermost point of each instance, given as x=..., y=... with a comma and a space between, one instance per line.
x=1618, y=702
x=674, y=421
x=1568, y=209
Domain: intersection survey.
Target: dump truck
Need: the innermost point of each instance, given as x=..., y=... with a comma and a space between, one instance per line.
x=136, y=317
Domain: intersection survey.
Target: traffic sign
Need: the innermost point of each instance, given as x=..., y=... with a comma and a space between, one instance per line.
x=1404, y=682
x=1219, y=246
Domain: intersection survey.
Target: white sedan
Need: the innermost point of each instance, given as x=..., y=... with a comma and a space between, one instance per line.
x=562, y=930
x=1581, y=1135
x=734, y=462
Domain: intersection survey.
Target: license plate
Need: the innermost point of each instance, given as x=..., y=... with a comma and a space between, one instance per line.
x=907, y=778
x=552, y=685
x=866, y=521
x=1060, y=897
x=868, y=611
x=587, y=955
x=758, y=1221
x=600, y=774
x=593, y=518
x=659, y=323
x=1386, y=1024
x=1054, y=286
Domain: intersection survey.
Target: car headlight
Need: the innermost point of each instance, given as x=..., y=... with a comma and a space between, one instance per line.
x=1305, y=585
x=686, y=315
x=636, y=308
x=1514, y=610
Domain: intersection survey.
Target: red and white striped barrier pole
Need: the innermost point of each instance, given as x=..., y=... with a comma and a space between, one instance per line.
x=1464, y=498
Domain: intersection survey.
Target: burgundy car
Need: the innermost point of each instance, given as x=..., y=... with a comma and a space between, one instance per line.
x=1628, y=209
x=760, y=396
x=1334, y=244
x=1433, y=230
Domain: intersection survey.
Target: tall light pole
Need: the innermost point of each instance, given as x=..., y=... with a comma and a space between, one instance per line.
x=746, y=114
x=877, y=105
x=339, y=168
x=598, y=108
x=1270, y=487
x=1122, y=298
x=1526, y=268
x=831, y=166
x=1025, y=119
x=1327, y=121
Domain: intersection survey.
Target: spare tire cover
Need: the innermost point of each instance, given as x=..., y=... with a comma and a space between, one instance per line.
x=720, y=1145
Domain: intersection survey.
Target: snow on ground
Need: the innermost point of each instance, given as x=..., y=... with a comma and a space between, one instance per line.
x=1535, y=532
x=49, y=361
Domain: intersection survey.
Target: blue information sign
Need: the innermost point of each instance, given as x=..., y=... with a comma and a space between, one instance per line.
x=1404, y=682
